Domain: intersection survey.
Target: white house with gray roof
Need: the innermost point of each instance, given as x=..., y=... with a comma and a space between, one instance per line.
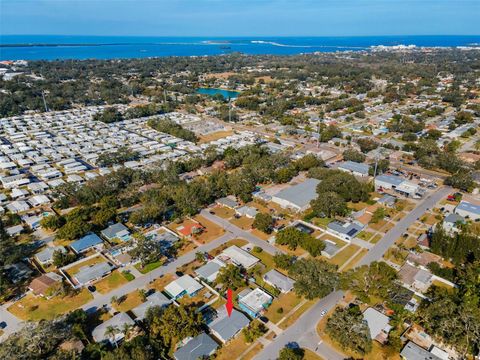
x=199, y=347
x=210, y=270
x=297, y=197
x=156, y=299
x=118, y=322
x=45, y=256
x=226, y=327
x=344, y=230
x=279, y=281
x=90, y=273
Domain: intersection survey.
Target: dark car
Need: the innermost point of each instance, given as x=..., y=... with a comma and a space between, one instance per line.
x=212, y=212
x=263, y=319
x=3, y=325
x=92, y=288
x=179, y=273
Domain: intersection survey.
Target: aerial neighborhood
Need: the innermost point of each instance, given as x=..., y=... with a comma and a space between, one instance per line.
x=340, y=208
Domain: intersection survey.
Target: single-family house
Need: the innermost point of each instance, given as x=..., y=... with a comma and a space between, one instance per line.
x=225, y=327
x=155, y=299
x=90, y=273
x=86, y=243
x=14, y=230
x=378, y=324
x=228, y=201
x=201, y=346
x=116, y=231
x=451, y=222
x=184, y=285
x=279, y=281
x=45, y=285
x=248, y=211
x=412, y=351
x=210, y=270
x=101, y=332
x=344, y=230
x=254, y=302
x=238, y=256
x=45, y=256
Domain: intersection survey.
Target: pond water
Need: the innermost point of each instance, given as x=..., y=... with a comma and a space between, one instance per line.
x=212, y=91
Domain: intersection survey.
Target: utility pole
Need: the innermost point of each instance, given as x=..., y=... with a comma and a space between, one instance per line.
x=375, y=171
x=44, y=101
x=229, y=109
x=318, y=134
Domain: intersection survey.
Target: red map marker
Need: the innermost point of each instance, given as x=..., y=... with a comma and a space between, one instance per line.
x=229, y=304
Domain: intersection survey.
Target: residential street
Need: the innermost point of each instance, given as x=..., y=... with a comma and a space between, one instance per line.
x=304, y=330
x=232, y=232
x=239, y=233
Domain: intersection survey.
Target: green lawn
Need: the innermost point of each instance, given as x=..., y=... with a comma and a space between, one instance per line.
x=344, y=255
x=37, y=308
x=112, y=281
x=322, y=222
x=149, y=267
x=128, y=275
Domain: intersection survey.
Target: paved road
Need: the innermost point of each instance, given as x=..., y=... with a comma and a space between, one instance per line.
x=237, y=232
x=388, y=240
x=303, y=331
x=232, y=232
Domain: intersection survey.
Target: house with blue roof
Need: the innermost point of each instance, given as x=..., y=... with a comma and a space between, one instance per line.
x=86, y=243
x=468, y=210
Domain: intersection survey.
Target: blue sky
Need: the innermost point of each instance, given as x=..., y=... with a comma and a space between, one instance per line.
x=240, y=17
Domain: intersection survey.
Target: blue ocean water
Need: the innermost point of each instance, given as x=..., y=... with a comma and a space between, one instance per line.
x=227, y=94
x=51, y=47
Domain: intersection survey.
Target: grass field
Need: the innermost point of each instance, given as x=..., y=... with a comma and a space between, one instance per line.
x=112, y=281
x=243, y=222
x=211, y=232
x=292, y=318
x=340, y=258
x=149, y=267
x=224, y=212
x=285, y=301
x=160, y=283
x=356, y=259
x=253, y=351
x=233, y=349
x=215, y=136
x=37, y=308
x=238, y=242
x=131, y=301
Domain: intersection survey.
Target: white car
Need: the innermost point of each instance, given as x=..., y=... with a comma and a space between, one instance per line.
x=322, y=314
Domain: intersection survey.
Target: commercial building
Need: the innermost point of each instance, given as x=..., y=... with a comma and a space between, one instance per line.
x=354, y=168
x=468, y=210
x=297, y=197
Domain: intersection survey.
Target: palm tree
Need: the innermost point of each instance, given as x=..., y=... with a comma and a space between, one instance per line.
x=111, y=333
x=477, y=145
x=127, y=329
